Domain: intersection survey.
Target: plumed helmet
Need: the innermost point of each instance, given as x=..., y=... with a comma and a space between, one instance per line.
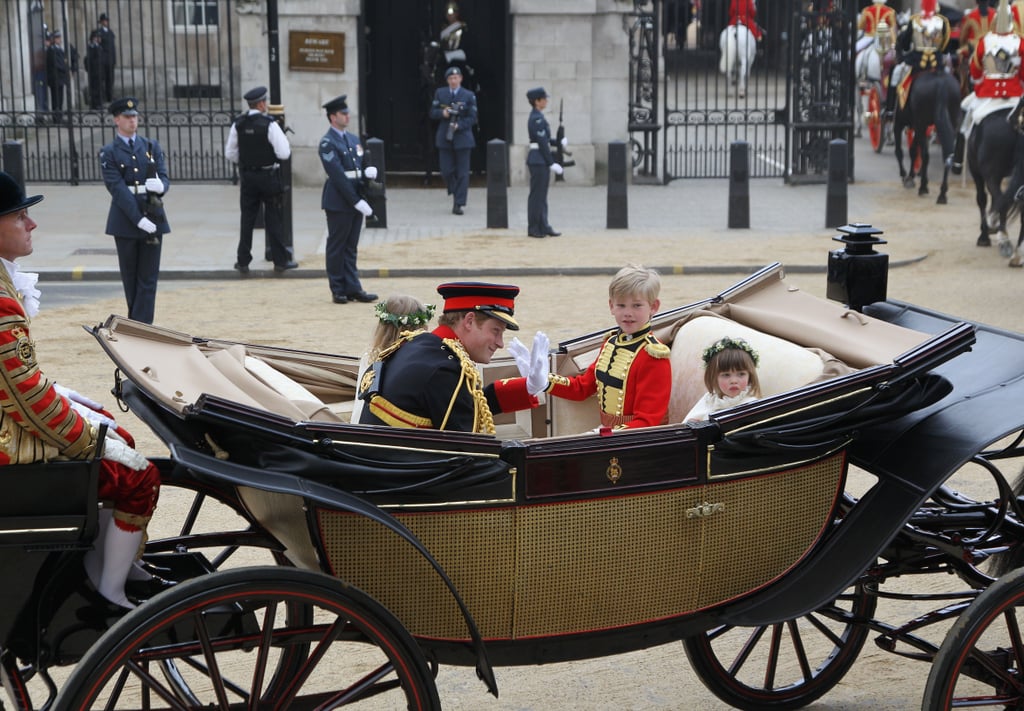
x=928, y=7
x=1004, y=21
x=880, y=2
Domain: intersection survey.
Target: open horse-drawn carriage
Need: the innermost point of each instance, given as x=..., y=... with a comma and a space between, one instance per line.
x=393, y=551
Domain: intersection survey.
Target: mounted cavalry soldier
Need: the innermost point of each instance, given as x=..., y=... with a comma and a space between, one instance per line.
x=997, y=75
x=875, y=18
x=921, y=43
x=975, y=24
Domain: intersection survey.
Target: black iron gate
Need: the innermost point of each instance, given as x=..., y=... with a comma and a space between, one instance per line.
x=685, y=113
x=174, y=56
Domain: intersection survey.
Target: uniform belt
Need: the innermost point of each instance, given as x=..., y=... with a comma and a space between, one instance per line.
x=252, y=168
x=534, y=146
x=138, y=189
x=355, y=174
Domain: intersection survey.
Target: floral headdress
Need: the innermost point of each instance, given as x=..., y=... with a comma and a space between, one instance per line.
x=726, y=343
x=413, y=319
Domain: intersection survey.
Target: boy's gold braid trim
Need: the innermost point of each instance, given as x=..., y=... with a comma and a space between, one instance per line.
x=483, y=419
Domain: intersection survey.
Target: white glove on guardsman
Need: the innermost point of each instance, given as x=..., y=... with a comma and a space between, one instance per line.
x=557, y=169
x=147, y=226
x=154, y=185
x=115, y=451
x=371, y=172
x=537, y=381
x=364, y=207
x=565, y=142
x=522, y=355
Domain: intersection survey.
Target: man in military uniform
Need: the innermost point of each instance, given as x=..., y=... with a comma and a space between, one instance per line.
x=108, y=56
x=454, y=108
x=875, y=16
x=921, y=43
x=135, y=173
x=341, y=155
x=256, y=143
x=41, y=421
x=94, y=68
x=541, y=163
x=57, y=77
x=973, y=26
x=430, y=380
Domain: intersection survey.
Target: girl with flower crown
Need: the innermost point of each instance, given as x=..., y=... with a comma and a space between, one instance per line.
x=399, y=313
x=730, y=375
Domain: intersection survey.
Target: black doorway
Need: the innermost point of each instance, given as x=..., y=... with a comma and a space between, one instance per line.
x=399, y=80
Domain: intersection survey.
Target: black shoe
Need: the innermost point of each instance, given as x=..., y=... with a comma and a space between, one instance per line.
x=286, y=266
x=243, y=269
x=540, y=235
x=457, y=210
x=552, y=233
x=339, y=299
x=141, y=590
x=363, y=297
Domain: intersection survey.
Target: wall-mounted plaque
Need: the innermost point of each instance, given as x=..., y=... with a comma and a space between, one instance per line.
x=316, y=51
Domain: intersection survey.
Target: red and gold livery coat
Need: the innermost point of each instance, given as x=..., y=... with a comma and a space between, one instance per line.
x=632, y=378
x=744, y=12
x=874, y=15
x=974, y=26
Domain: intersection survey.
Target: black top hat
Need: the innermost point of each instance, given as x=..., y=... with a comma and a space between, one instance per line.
x=127, y=106
x=12, y=196
x=256, y=95
x=452, y=70
x=496, y=300
x=536, y=93
x=337, y=104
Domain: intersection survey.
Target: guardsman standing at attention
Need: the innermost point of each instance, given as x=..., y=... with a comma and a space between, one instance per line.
x=342, y=158
x=454, y=108
x=135, y=173
x=430, y=380
x=541, y=163
x=256, y=143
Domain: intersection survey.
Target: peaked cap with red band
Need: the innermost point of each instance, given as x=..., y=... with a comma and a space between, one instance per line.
x=496, y=300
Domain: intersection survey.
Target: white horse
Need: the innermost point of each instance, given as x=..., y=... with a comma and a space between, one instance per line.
x=738, y=48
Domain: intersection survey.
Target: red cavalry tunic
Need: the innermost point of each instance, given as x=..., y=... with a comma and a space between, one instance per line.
x=744, y=12
x=874, y=15
x=998, y=82
x=972, y=28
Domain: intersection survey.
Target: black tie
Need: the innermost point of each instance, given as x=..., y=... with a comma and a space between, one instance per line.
x=131, y=144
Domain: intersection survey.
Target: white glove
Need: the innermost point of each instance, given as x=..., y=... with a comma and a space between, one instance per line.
x=154, y=185
x=77, y=397
x=537, y=381
x=522, y=355
x=371, y=172
x=565, y=142
x=96, y=418
x=114, y=451
x=147, y=225
x=364, y=207
x=557, y=169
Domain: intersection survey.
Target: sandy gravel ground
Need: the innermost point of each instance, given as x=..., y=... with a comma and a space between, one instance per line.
x=954, y=277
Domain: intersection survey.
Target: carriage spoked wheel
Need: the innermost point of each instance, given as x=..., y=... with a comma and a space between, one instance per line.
x=232, y=638
x=875, y=117
x=981, y=661
x=785, y=665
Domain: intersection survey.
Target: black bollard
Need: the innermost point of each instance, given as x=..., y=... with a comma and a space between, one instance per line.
x=838, y=176
x=618, y=205
x=497, y=184
x=857, y=274
x=14, y=161
x=739, y=185
x=376, y=190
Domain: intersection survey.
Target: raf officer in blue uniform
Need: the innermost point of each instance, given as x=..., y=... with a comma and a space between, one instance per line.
x=541, y=163
x=135, y=173
x=256, y=143
x=342, y=158
x=455, y=110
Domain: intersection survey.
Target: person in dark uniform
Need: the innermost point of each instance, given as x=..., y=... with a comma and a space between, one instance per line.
x=256, y=143
x=135, y=173
x=342, y=158
x=454, y=108
x=109, y=56
x=94, y=68
x=56, y=73
x=541, y=163
x=430, y=380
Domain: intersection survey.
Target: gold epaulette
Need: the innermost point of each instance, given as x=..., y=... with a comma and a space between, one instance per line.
x=655, y=348
x=397, y=343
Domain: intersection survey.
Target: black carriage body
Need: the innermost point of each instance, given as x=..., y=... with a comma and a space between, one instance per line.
x=554, y=548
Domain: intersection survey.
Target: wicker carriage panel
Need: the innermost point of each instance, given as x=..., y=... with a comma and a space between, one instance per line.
x=619, y=561
x=475, y=547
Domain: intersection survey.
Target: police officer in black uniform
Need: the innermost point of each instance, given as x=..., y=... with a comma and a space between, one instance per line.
x=540, y=161
x=257, y=143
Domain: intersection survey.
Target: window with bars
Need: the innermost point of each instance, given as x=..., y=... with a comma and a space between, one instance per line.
x=194, y=14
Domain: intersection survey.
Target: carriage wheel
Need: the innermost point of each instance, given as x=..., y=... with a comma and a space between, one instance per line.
x=786, y=665
x=875, y=118
x=981, y=661
x=226, y=635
